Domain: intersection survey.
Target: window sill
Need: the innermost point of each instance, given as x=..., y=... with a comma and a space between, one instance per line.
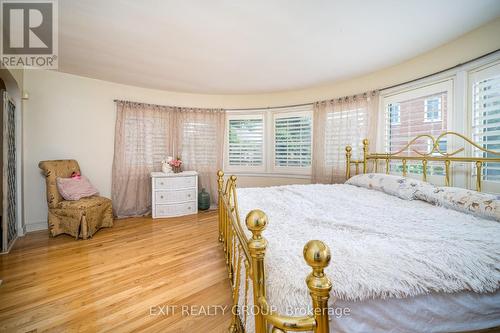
x=268, y=174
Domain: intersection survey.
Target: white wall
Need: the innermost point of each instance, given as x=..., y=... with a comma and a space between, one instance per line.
x=68, y=116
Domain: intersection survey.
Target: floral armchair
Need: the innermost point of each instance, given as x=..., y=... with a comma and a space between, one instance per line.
x=81, y=218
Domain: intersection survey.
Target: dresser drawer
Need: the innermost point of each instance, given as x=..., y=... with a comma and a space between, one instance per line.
x=163, y=197
x=184, y=208
x=175, y=182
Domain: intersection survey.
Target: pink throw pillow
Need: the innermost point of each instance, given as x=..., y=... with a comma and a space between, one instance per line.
x=75, y=188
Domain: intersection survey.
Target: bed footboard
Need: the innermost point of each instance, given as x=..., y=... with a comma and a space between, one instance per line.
x=240, y=250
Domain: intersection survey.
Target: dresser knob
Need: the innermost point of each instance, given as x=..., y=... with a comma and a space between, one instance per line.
x=189, y=195
x=161, y=196
x=189, y=208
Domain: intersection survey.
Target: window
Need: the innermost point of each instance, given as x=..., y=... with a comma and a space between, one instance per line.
x=246, y=142
x=346, y=127
x=146, y=142
x=292, y=140
x=199, y=143
x=432, y=108
x=275, y=140
x=420, y=111
x=485, y=106
x=395, y=113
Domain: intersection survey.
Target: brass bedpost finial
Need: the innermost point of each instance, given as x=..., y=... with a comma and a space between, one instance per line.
x=348, y=154
x=256, y=222
x=365, y=155
x=220, y=186
x=317, y=255
x=232, y=193
x=220, y=178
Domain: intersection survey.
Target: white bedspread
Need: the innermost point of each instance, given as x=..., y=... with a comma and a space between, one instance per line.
x=382, y=246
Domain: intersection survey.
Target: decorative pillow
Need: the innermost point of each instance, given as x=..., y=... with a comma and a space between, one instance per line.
x=463, y=200
x=402, y=187
x=75, y=188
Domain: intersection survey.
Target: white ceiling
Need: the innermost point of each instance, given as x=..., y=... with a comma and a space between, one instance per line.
x=236, y=46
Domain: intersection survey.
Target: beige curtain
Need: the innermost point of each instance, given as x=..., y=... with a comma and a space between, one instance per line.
x=143, y=137
x=338, y=123
x=146, y=134
x=199, y=141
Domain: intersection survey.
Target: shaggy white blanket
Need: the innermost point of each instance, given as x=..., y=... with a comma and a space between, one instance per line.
x=381, y=246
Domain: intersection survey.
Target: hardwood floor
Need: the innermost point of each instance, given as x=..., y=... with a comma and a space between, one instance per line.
x=121, y=280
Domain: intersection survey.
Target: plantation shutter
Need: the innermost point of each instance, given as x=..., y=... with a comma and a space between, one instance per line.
x=246, y=142
x=486, y=117
x=292, y=139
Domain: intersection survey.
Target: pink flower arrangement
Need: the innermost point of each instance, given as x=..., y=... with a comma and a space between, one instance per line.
x=175, y=163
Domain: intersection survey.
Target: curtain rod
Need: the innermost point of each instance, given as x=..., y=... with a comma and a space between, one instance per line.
x=229, y=109
x=167, y=106
x=270, y=107
x=441, y=71
x=149, y=104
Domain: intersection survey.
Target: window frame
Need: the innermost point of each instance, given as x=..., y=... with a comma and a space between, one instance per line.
x=459, y=117
x=476, y=74
x=244, y=116
x=398, y=113
x=426, y=88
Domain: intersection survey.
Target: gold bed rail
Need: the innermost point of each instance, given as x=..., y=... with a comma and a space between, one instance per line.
x=434, y=155
x=240, y=250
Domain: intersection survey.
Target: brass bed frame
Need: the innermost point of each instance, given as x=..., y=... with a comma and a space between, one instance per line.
x=240, y=250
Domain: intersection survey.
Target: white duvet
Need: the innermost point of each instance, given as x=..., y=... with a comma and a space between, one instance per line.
x=382, y=246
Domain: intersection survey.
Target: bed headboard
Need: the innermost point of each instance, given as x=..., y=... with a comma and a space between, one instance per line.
x=434, y=154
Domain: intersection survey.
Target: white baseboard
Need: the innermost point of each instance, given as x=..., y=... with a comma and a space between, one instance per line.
x=35, y=226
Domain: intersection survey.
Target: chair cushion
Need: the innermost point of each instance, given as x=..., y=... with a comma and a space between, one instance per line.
x=75, y=188
x=84, y=203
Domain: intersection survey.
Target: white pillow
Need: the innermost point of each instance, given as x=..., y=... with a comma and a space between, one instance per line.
x=463, y=200
x=402, y=187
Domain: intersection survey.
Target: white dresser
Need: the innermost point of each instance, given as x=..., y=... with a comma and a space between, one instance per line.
x=174, y=194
